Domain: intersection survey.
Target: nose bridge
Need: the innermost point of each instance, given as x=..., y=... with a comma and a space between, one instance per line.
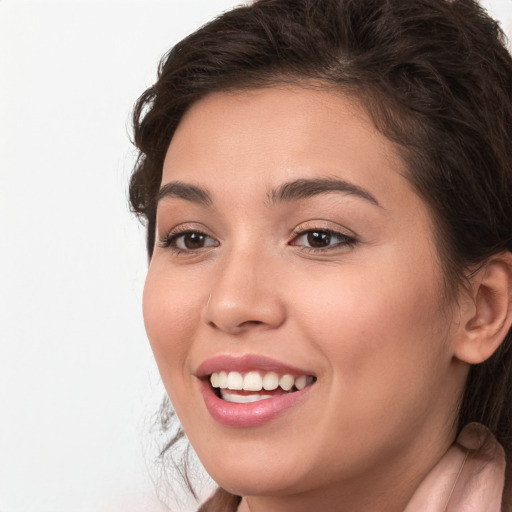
x=244, y=293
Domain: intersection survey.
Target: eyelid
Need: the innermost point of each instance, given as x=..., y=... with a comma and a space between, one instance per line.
x=348, y=237
x=166, y=239
x=323, y=225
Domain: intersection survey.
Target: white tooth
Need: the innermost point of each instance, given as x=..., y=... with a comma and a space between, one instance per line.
x=270, y=381
x=242, y=399
x=300, y=382
x=287, y=382
x=223, y=380
x=252, y=382
x=235, y=381
x=214, y=380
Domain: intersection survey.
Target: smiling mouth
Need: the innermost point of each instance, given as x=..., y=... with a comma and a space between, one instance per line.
x=254, y=386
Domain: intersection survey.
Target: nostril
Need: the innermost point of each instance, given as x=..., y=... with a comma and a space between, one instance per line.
x=251, y=323
x=245, y=325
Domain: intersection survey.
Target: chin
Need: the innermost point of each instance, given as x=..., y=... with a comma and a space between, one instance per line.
x=254, y=481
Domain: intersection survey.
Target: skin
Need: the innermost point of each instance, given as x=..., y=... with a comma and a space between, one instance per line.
x=369, y=319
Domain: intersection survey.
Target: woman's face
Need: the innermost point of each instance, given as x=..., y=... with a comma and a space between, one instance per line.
x=292, y=250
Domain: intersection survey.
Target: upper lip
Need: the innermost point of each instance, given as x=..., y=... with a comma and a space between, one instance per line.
x=246, y=363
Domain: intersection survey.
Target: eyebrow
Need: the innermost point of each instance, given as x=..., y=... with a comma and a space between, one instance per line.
x=185, y=191
x=290, y=191
x=306, y=188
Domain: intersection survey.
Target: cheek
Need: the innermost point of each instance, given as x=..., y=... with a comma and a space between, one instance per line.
x=362, y=332
x=171, y=315
x=382, y=333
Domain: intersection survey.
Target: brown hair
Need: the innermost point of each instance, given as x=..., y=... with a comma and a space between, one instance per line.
x=435, y=76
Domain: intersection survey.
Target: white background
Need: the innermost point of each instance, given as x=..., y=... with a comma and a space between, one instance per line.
x=78, y=386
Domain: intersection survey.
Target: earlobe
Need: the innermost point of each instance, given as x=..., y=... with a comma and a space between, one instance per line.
x=490, y=316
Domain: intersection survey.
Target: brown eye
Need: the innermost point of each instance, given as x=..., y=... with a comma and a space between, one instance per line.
x=318, y=239
x=193, y=240
x=322, y=239
x=189, y=241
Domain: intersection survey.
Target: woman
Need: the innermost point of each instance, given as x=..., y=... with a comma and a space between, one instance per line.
x=327, y=189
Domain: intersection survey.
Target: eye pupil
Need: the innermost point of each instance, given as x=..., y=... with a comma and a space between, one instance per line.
x=193, y=240
x=319, y=238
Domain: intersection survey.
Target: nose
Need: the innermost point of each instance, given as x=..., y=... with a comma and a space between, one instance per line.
x=245, y=296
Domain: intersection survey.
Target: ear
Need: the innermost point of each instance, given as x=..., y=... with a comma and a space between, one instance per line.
x=487, y=316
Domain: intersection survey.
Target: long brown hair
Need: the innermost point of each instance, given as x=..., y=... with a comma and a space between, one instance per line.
x=436, y=78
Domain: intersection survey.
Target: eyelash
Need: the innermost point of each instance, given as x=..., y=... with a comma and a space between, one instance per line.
x=171, y=239
x=344, y=240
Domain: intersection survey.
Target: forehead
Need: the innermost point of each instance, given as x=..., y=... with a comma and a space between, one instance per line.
x=263, y=137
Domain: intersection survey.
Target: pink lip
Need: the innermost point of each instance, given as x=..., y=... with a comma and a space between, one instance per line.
x=255, y=413
x=246, y=363
x=252, y=414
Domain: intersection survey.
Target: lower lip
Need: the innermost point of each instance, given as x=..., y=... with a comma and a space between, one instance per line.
x=251, y=414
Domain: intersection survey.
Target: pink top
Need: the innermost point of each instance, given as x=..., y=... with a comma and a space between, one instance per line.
x=469, y=478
